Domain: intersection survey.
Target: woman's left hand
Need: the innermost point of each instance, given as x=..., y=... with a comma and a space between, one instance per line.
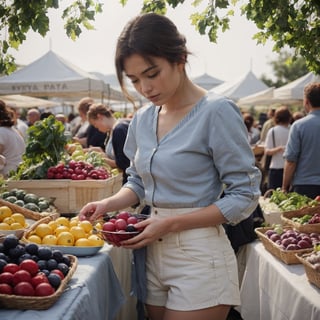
x=153, y=229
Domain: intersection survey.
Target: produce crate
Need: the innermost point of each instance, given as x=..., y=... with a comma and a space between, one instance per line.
x=312, y=274
x=70, y=195
x=287, y=216
x=286, y=256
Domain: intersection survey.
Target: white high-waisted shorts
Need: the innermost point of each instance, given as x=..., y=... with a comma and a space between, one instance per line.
x=192, y=269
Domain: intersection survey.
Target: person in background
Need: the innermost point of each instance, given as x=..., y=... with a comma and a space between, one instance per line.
x=12, y=145
x=267, y=125
x=63, y=119
x=297, y=115
x=101, y=117
x=276, y=141
x=191, y=268
x=45, y=115
x=86, y=134
x=20, y=125
x=33, y=115
x=302, y=153
x=253, y=132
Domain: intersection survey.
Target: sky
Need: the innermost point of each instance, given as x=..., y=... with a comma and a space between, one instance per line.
x=234, y=54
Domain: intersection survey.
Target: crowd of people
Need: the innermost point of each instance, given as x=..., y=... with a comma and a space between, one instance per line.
x=83, y=127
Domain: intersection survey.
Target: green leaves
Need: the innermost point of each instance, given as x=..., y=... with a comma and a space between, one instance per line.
x=19, y=16
x=45, y=147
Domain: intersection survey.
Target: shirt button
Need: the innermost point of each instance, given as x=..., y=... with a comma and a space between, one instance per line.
x=155, y=211
x=160, y=239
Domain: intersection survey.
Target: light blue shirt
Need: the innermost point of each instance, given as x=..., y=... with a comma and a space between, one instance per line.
x=206, y=152
x=303, y=147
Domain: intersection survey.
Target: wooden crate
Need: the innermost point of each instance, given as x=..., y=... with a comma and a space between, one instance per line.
x=70, y=195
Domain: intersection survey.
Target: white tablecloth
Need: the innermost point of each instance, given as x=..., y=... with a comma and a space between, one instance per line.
x=94, y=293
x=272, y=290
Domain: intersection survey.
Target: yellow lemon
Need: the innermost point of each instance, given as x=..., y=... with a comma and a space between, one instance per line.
x=5, y=212
x=4, y=226
x=98, y=226
x=60, y=229
x=49, y=239
x=63, y=221
x=86, y=226
x=95, y=240
x=8, y=220
x=16, y=226
x=65, y=238
x=82, y=242
x=34, y=239
x=53, y=225
x=19, y=217
x=43, y=229
x=73, y=223
x=77, y=232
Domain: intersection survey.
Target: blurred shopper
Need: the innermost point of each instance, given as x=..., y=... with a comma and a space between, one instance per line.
x=12, y=145
x=297, y=115
x=101, y=117
x=276, y=141
x=267, y=125
x=253, y=132
x=86, y=134
x=302, y=153
x=19, y=124
x=33, y=115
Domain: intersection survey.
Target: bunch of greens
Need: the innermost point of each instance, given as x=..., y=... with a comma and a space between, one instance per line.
x=45, y=148
x=291, y=200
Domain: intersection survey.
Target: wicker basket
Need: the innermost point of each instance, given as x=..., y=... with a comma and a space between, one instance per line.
x=26, y=212
x=287, y=216
x=30, y=230
x=312, y=274
x=287, y=256
x=38, y=303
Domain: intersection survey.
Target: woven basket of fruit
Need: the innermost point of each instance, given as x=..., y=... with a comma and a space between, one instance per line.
x=24, y=283
x=311, y=263
x=304, y=220
x=284, y=243
x=66, y=234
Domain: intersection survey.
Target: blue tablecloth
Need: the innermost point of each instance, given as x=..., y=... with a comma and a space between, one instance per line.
x=94, y=293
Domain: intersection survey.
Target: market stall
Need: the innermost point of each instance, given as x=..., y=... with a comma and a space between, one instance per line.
x=273, y=290
x=94, y=292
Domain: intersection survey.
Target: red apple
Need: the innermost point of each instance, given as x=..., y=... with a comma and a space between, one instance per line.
x=5, y=288
x=108, y=226
x=11, y=267
x=29, y=265
x=21, y=276
x=23, y=289
x=44, y=289
x=6, y=277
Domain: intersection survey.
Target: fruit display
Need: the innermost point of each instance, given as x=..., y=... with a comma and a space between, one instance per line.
x=27, y=200
x=289, y=239
x=314, y=260
x=120, y=227
x=63, y=232
x=31, y=270
x=307, y=219
x=10, y=220
x=77, y=170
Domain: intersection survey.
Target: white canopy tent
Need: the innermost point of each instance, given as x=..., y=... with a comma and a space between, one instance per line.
x=241, y=87
x=294, y=89
x=206, y=81
x=52, y=76
x=26, y=102
x=261, y=97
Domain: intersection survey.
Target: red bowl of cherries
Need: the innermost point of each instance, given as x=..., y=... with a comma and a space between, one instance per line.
x=120, y=227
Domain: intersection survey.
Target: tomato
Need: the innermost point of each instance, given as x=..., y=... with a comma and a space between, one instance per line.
x=44, y=289
x=29, y=265
x=21, y=276
x=121, y=224
x=5, y=288
x=11, y=267
x=39, y=278
x=317, y=198
x=23, y=289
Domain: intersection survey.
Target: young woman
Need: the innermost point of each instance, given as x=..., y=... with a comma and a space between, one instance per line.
x=101, y=117
x=185, y=149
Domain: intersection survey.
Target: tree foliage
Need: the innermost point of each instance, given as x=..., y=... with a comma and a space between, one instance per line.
x=17, y=17
x=293, y=24
x=285, y=69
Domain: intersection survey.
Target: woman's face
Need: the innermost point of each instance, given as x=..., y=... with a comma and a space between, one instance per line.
x=157, y=81
x=102, y=123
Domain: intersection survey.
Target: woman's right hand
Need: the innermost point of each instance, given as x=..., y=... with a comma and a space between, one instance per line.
x=92, y=211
